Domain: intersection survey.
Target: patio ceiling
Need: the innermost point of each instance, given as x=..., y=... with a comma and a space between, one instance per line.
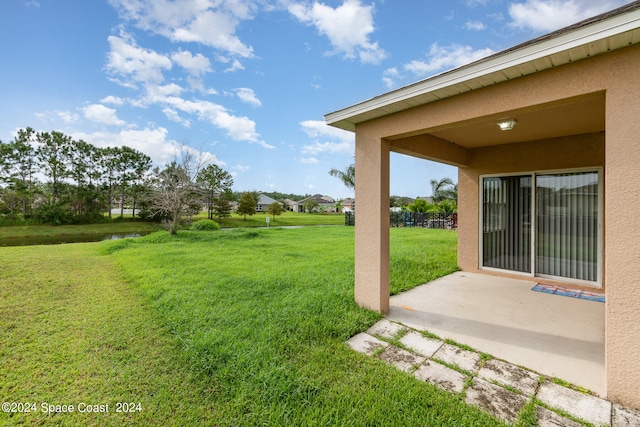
x=573, y=116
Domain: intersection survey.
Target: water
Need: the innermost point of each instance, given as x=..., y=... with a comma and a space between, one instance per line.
x=74, y=238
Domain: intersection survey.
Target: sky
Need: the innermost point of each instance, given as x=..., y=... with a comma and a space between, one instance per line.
x=247, y=82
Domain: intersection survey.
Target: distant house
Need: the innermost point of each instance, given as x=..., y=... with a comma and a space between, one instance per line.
x=325, y=203
x=264, y=202
x=348, y=205
x=292, y=205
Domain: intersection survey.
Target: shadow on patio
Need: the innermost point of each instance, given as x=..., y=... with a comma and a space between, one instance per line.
x=554, y=335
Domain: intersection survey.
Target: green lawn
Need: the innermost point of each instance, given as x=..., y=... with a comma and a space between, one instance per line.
x=286, y=219
x=241, y=327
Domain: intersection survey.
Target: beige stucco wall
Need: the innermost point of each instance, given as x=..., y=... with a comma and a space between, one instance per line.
x=617, y=76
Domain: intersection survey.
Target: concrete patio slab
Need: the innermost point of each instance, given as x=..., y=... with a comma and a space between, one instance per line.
x=421, y=344
x=365, y=343
x=547, y=418
x=385, y=329
x=505, y=373
x=589, y=408
x=445, y=378
x=463, y=359
x=498, y=401
x=401, y=359
x=554, y=335
x=625, y=417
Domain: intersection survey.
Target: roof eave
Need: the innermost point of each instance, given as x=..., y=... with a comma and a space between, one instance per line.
x=492, y=66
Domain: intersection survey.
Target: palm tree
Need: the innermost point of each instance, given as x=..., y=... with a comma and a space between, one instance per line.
x=348, y=177
x=443, y=189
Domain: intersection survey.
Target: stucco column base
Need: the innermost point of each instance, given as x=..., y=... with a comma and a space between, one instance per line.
x=372, y=223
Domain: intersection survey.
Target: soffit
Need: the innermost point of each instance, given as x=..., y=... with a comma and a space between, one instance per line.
x=596, y=36
x=573, y=116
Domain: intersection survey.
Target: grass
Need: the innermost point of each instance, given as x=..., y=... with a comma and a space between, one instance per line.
x=241, y=327
x=286, y=219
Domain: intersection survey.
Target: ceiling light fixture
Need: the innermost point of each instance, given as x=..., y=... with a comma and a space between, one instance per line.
x=506, y=124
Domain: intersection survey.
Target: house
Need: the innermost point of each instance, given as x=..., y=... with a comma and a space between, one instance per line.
x=546, y=138
x=325, y=203
x=291, y=205
x=348, y=205
x=264, y=202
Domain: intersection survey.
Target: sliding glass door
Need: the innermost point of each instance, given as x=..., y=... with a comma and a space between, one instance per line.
x=507, y=223
x=550, y=228
x=567, y=225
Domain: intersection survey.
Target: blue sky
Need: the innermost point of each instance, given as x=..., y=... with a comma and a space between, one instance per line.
x=246, y=82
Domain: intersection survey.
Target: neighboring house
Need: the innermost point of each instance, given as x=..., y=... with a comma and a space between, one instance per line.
x=292, y=205
x=264, y=202
x=534, y=131
x=325, y=203
x=348, y=205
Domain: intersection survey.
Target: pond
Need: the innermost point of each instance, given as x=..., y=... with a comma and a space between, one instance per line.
x=70, y=238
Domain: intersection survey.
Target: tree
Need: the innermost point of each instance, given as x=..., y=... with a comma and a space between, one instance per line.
x=447, y=206
x=421, y=205
x=131, y=165
x=174, y=194
x=247, y=205
x=310, y=205
x=53, y=155
x=348, y=177
x=275, y=208
x=18, y=166
x=222, y=207
x=443, y=189
x=213, y=180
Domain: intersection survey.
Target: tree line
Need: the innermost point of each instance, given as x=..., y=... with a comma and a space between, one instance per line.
x=51, y=178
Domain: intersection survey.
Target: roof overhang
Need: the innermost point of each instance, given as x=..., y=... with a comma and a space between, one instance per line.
x=610, y=31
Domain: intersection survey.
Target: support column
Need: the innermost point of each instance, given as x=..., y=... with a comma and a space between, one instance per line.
x=372, y=223
x=622, y=242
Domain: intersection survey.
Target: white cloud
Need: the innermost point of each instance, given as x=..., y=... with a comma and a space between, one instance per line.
x=328, y=147
x=308, y=160
x=236, y=65
x=67, y=116
x=57, y=116
x=318, y=129
x=237, y=127
x=151, y=141
x=128, y=60
x=175, y=117
x=248, y=96
x=549, y=15
x=348, y=28
x=112, y=100
x=98, y=113
x=474, y=25
x=441, y=58
x=390, y=76
x=210, y=22
x=242, y=168
x=196, y=65
x=159, y=93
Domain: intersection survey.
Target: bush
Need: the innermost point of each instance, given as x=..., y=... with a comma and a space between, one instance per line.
x=205, y=225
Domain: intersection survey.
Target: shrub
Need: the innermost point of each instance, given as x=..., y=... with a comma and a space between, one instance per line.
x=205, y=225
